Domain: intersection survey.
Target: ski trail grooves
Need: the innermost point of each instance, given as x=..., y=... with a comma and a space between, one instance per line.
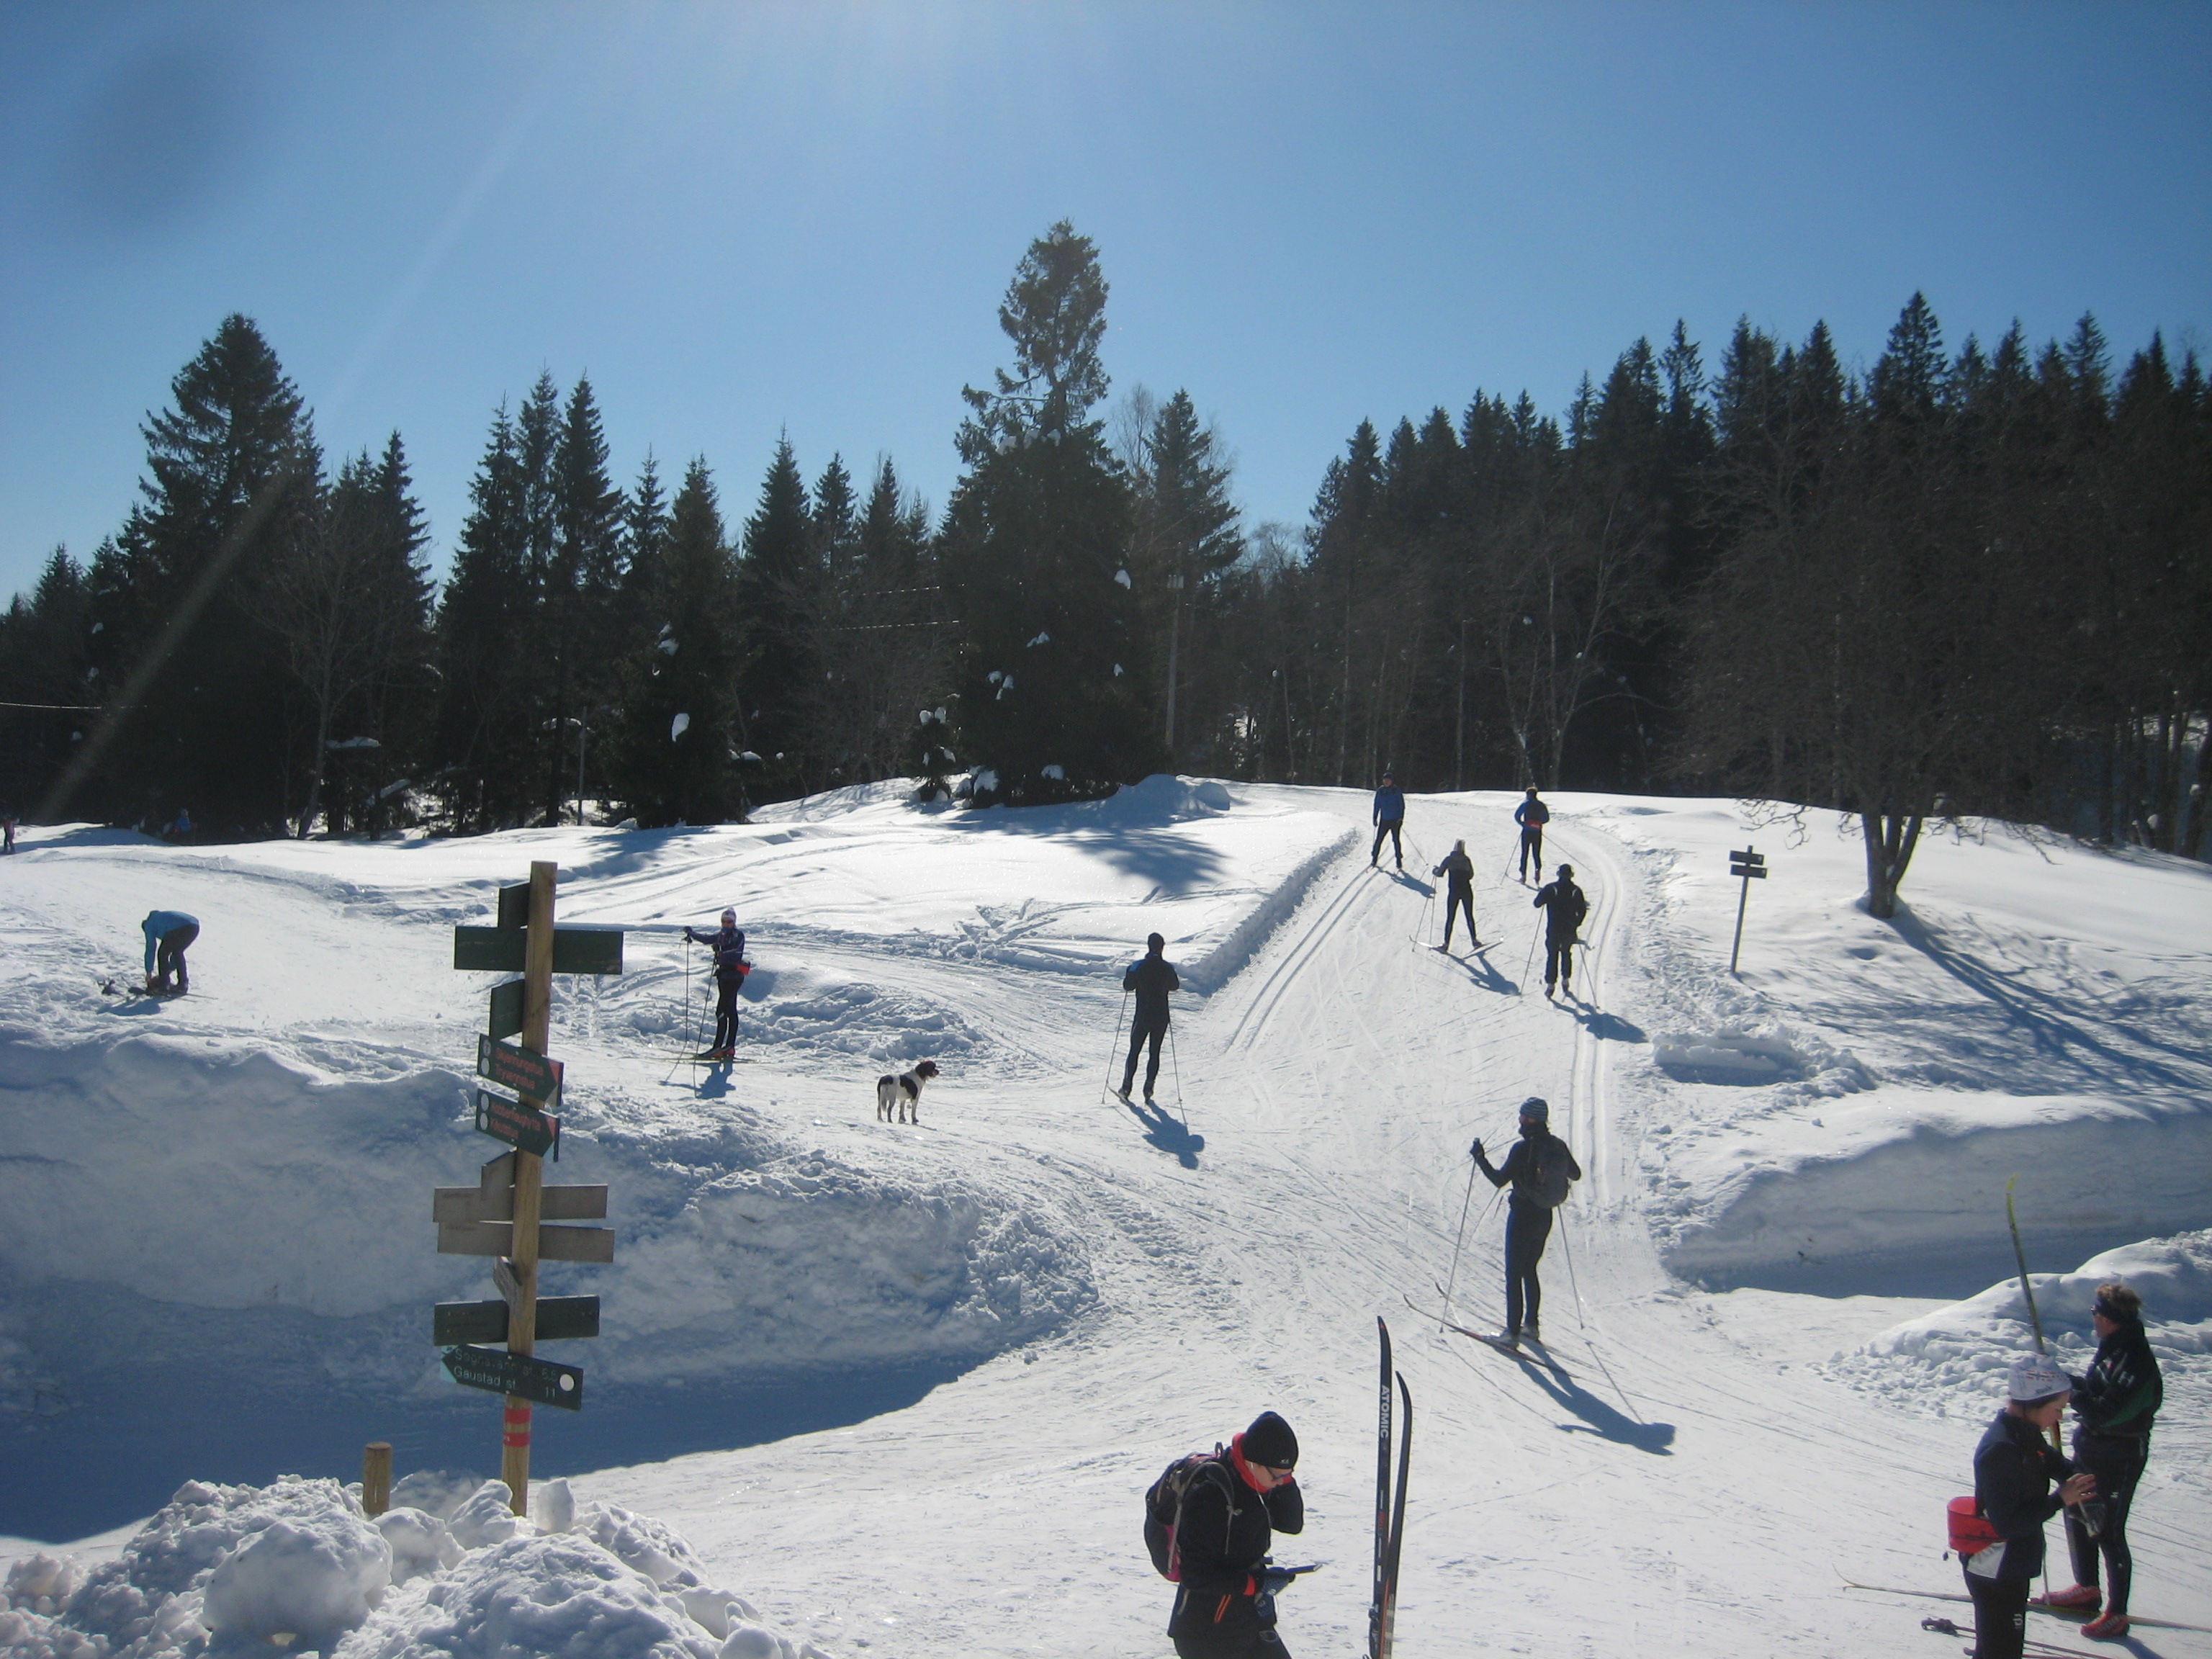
x=1289, y=961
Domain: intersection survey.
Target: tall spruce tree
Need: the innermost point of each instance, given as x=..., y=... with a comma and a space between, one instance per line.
x=1034, y=540
x=779, y=595
x=486, y=736
x=1186, y=535
x=199, y=712
x=671, y=758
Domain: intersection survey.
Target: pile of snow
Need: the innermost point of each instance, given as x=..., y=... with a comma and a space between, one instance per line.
x=297, y=1566
x=1952, y=1361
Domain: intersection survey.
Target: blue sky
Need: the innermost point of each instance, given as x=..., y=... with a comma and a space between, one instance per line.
x=741, y=219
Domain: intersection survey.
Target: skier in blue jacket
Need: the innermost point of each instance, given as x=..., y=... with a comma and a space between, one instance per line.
x=2015, y=1470
x=1389, y=820
x=168, y=933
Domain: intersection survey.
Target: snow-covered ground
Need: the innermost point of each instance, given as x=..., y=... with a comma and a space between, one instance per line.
x=900, y=1389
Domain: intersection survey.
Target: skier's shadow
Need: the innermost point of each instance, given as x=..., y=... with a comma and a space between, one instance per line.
x=1607, y=1028
x=1486, y=977
x=1170, y=1134
x=715, y=1085
x=1657, y=1438
x=1407, y=879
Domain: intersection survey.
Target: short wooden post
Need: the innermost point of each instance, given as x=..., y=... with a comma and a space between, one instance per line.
x=529, y=1179
x=376, y=1477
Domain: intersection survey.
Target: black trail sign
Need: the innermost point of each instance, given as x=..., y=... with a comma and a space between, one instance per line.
x=523, y=1376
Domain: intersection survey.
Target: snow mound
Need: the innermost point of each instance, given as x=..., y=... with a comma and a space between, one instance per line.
x=1729, y=1056
x=1952, y=1361
x=1161, y=799
x=297, y=1567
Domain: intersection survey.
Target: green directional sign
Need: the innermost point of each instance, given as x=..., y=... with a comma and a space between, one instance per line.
x=545, y=1381
x=521, y=1127
x=514, y=906
x=506, y=1009
x=575, y=950
x=560, y=1319
x=520, y=1070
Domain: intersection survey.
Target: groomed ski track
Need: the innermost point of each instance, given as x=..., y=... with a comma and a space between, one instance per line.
x=1646, y=1504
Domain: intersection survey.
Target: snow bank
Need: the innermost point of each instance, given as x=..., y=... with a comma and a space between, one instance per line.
x=1889, y=1176
x=1952, y=1361
x=297, y=1567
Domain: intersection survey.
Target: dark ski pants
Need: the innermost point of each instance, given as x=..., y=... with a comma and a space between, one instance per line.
x=1389, y=826
x=1143, y=1029
x=1558, y=963
x=1528, y=1230
x=1237, y=1634
x=2117, y=1461
x=169, y=956
x=1460, y=898
x=2000, y=1615
x=1532, y=846
x=725, y=1011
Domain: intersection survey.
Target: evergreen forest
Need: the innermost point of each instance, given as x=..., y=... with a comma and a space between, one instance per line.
x=1970, y=580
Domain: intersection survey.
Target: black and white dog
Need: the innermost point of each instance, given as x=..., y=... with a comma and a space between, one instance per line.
x=898, y=1099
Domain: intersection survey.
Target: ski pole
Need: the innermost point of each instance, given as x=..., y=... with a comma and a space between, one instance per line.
x=1114, y=1053
x=687, y=1009
x=1176, y=1061
x=1527, y=967
x=1453, y=1279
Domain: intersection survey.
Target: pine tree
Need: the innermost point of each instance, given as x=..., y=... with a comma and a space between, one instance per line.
x=779, y=595
x=486, y=730
x=671, y=760
x=198, y=711
x=1187, y=536
x=579, y=599
x=1034, y=540
x=44, y=660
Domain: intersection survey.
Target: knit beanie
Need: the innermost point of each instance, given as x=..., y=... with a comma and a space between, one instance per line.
x=1536, y=1106
x=1270, y=1442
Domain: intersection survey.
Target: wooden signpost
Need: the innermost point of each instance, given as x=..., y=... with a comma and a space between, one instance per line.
x=1752, y=867
x=505, y=1214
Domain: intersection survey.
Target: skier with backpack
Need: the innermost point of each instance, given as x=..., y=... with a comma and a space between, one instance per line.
x=728, y=944
x=1999, y=1544
x=1209, y=1522
x=1564, y=908
x=1540, y=1169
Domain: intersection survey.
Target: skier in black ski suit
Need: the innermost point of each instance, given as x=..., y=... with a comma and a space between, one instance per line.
x=1532, y=1167
x=1389, y=820
x=1151, y=978
x=2115, y=1399
x=2014, y=1469
x=1221, y=1536
x=1565, y=907
x=728, y=944
x=1531, y=815
x=1459, y=893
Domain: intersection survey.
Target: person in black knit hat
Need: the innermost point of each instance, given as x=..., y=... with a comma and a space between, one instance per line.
x=1223, y=1609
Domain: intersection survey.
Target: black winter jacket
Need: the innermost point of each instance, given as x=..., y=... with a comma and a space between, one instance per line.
x=1225, y=1532
x=2015, y=1471
x=728, y=944
x=2122, y=1390
x=1460, y=868
x=1519, y=1167
x=1563, y=908
x=1152, y=979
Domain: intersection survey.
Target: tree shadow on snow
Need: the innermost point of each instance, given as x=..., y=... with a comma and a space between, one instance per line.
x=1170, y=1134
x=1597, y=1417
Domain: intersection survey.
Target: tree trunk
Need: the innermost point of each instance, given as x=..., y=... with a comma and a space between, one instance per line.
x=1890, y=838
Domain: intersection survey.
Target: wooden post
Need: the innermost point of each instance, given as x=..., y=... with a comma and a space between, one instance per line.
x=376, y=1478
x=529, y=1179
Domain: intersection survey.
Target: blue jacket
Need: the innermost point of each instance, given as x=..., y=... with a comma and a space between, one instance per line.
x=160, y=922
x=1389, y=805
x=1531, y=811
x=728, y=944
x=2015, y=1471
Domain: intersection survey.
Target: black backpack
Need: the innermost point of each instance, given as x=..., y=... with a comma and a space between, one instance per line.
x=1164, y=1505
x=1548, y=1179
x=1578, y=906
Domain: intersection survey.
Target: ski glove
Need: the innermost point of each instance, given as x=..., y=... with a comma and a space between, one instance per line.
x=1475, y=1152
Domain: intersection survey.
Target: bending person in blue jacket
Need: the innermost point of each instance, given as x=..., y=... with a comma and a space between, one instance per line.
x=168, y=933
x=1389, y=820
